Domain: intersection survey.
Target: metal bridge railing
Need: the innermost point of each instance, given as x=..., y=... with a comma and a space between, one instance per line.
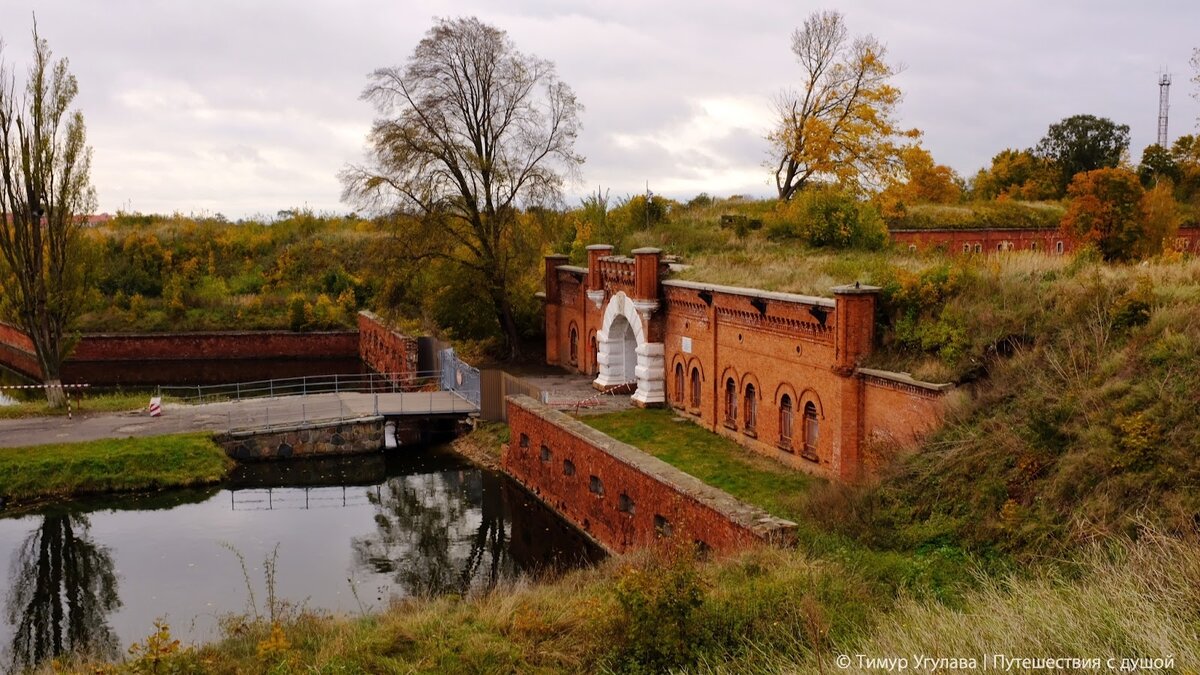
x=369, y=383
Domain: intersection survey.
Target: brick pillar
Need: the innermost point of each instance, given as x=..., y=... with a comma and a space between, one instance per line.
x=855, y=330
x=853, y=338
x=552, y=307
x=595, y=281
x=645, y=273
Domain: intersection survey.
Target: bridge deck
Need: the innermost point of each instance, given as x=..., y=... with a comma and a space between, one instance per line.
x=246, y=414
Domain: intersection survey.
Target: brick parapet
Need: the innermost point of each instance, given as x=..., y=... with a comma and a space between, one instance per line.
x=385, y=350
x=638, y=496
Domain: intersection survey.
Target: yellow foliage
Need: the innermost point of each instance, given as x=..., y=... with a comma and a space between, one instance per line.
x=842, y=126
x=157, y=647
x=275, y=644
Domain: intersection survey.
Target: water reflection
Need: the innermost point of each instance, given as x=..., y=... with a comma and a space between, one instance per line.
x=438, y=533
x=61, y=591
x=404, y=524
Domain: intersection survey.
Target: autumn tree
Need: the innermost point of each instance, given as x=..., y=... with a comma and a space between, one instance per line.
x=45, y=189
x=841, y=125
x=1106, y=210
x=1015, y=174
x=1161, y=218
x=1083, y=143
x=921, y=181
x=471, y=131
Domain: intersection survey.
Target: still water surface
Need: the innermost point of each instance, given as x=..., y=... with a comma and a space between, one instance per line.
x=351, y=534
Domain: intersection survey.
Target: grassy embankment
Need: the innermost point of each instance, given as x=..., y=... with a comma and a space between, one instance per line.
x=111, y=465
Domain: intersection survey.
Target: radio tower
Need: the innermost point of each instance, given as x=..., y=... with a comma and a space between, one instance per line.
x=1164, y=95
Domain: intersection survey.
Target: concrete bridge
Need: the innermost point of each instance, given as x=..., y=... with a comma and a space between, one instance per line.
x=247, y=415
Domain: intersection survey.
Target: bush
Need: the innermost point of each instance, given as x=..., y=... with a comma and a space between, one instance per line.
x=659, y=626
x=826, y=217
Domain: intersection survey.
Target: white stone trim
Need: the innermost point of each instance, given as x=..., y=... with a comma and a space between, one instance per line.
x=650, y=371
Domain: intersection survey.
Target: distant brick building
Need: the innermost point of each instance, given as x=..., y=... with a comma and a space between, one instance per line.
x=777, y=372
x=995, y=240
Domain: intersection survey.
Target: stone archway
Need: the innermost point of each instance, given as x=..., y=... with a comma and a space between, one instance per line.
x=626, y=357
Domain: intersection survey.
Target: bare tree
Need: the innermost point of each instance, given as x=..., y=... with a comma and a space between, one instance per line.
x=471, y=132
x=45, y=189
x=841, y=125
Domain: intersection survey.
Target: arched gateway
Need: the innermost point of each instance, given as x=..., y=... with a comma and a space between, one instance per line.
x=625, y=356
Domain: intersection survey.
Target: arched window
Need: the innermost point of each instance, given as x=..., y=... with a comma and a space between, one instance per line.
x=695, y=387
x=966, y=248
x=1033, y=246
x=751, y=414
x=574, y=345
x=730, y=401
x=979, y=248
x=1058, y=247
x=679, y=384
x=912, y=248
x=785, y=422
x=812, y=431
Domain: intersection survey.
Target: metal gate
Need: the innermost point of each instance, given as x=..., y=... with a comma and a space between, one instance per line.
x=459, y=376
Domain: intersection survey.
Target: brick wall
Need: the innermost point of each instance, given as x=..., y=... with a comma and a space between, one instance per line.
x=385, y=350
x=899, y=411
x=210, y=345
x=790, y=360
x=16, y=351
x=1000, y=239
x=621, y=496
x=157, y=358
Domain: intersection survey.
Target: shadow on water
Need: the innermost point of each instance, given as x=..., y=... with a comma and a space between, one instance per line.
x=61, y=591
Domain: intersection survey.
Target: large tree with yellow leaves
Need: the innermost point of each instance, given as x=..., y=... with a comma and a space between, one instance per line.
x=841, y=125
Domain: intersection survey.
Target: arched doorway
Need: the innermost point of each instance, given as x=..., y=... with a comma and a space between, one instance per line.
x=625, y=367
x=624, y=355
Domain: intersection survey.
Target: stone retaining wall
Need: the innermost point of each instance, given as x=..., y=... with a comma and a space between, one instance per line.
x=621, y=496
x=336, y=438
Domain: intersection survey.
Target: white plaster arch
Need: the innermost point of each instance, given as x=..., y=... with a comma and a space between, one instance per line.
x=613, y=349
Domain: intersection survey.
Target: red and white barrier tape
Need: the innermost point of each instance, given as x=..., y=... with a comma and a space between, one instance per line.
x=44, y=386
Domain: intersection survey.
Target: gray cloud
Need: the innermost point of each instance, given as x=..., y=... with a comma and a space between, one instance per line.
x=248, y=108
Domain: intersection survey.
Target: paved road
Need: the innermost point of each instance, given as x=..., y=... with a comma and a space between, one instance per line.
x=218, y=417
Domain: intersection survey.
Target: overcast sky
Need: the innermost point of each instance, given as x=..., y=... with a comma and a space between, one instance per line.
x=244, y=108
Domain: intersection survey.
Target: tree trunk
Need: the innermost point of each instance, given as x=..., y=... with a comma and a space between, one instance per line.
x=504, y=315
x=56, y=396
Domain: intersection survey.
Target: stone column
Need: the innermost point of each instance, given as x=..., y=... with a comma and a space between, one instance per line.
x=651, y=364
x=651, y=372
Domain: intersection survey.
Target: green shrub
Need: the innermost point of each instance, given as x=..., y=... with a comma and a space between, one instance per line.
x=828, y=218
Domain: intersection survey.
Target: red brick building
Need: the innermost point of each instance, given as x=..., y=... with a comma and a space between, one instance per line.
x=1013, y=239
x=777, y=372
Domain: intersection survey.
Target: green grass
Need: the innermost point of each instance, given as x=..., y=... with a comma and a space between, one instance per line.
x=713, y=459
x=120, y=402
x=110, y=465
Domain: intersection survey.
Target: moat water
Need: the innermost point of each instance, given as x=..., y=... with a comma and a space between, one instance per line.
x=345, y=535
